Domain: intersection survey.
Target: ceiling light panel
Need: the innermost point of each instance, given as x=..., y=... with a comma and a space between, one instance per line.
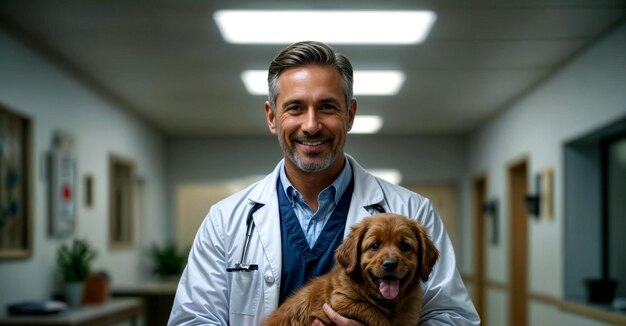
x=367, y=82
x=255, y=81
x=383, y=82
x=391, y=175
x=337, y=27
x=366, y=124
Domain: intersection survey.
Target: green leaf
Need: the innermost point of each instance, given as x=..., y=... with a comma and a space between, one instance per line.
x=74, y=260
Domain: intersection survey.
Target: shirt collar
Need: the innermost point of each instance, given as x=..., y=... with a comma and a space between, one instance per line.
x=340, y=184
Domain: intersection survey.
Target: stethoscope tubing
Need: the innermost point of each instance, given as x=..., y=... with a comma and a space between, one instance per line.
x=241, y=267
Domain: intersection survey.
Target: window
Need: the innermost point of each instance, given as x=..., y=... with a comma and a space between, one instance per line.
x=595, y=212
x=614, y=208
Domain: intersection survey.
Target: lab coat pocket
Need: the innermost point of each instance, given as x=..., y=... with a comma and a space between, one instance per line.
x=246, y=292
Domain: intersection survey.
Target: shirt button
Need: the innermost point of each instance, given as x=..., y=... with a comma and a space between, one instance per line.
x=269, y=278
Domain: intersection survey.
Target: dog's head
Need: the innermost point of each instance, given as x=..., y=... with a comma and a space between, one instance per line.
x=388, y=252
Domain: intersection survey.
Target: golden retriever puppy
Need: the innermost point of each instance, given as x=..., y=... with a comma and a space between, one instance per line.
x=376, y=279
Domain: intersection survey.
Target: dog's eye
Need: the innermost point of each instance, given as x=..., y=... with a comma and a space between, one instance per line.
x=374, y=246
x=405, y=246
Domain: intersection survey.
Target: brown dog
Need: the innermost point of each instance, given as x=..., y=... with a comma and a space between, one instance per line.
x=377, y=278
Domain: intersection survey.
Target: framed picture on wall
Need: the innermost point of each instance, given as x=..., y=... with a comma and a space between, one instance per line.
x=121, y=201
x=16, y=161
x=62, y=185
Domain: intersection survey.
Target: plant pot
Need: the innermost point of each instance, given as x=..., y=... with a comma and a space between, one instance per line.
x=96, y=289
x=601, y=290
x=73, y=294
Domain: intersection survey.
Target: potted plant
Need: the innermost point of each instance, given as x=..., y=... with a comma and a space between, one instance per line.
x=74, y=263
x=167, y=261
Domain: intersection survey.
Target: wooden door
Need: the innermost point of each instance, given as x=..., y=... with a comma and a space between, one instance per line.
x=479, y=198
x=518, y=235
x=444, y=199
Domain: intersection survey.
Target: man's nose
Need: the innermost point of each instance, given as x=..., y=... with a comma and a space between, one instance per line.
x=312, y=123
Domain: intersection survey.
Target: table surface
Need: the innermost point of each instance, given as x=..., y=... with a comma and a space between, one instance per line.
x=114, y=310
x=144, y=289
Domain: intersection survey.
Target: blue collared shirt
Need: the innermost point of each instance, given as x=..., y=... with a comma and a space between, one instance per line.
x=312, y=223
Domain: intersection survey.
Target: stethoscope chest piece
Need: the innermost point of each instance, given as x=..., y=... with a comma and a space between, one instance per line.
x=243, y=268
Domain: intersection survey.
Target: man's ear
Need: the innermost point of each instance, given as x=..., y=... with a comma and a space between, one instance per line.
x=270, y=117
x=351, y=113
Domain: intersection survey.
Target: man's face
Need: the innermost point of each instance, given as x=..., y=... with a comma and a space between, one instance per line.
x=311, y=119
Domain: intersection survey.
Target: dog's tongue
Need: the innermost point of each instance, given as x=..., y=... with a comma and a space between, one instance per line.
x=389, y=288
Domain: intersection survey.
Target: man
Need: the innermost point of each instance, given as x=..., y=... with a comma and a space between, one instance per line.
x=283, y=230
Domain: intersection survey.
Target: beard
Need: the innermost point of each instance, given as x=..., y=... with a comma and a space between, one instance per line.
x=314, y=166
x=311, y=163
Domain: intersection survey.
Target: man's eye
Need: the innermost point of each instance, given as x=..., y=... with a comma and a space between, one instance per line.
x=293, y=108
x=328, y=107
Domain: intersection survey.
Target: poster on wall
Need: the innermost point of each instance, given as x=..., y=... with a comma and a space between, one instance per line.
x=62, y=167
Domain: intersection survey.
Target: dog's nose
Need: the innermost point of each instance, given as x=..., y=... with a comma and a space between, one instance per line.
x=390, y=265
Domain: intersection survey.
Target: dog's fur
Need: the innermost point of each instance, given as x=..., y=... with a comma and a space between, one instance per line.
x=353, y=287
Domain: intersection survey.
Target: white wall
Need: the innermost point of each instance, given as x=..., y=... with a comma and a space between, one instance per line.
x=55, y=101
x=586, y=94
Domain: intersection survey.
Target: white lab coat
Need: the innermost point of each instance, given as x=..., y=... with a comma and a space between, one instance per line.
x=208, y=295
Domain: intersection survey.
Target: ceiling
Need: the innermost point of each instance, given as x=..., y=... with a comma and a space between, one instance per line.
x=166, y=61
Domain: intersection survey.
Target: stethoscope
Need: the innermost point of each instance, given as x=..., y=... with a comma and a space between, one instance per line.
x=241, y=267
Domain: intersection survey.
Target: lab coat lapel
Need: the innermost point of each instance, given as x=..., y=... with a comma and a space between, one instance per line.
x=268, y=229
x=367, y=192
x=267, y=221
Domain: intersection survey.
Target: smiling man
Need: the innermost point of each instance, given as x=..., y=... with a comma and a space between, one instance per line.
x=261, y=244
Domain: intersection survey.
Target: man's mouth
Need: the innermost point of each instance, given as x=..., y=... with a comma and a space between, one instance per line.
x=317, y=143
x=312, y=145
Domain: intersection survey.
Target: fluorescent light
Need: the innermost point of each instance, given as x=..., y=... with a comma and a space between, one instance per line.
x=339, y=27
x=255, y=81
x=366, y=124
x=378, y=82
x=371, y=82
x=390, y=175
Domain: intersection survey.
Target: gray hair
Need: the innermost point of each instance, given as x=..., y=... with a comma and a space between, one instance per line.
x=309, y=53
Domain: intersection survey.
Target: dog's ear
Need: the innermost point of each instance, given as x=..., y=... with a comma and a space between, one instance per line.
x=427, y=254
x=348, y=254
